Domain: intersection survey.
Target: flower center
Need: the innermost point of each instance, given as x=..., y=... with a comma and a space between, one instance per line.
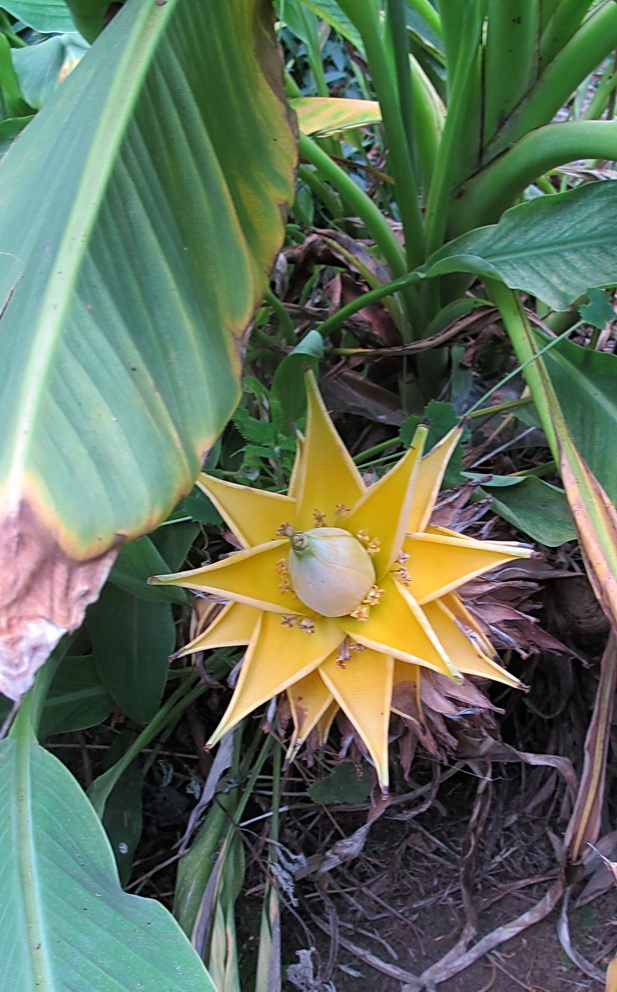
x=330, y=570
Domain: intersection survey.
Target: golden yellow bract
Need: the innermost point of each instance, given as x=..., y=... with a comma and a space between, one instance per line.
x=410, y=618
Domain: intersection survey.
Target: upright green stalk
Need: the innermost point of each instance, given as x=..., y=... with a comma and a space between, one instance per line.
x=497, y=186
x=510, y=59
x=376, y=225
x=603, y=97
x=548, y=9
x=429, y=116
x=373, y=219
x=462, y=35
x=313, y=48
x=426, y=10
x=397, y=30
x=592, y=43
x=521, y=336
x=365, y=16
x=561, y=27
x=321, y=190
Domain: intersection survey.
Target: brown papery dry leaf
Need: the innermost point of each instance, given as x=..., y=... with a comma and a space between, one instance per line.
x=42, y=596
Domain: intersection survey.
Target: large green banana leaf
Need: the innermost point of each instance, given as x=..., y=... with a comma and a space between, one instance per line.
x=140, y=213
x=67, y=926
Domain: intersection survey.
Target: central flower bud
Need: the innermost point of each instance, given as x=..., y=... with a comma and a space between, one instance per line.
x=330, y=571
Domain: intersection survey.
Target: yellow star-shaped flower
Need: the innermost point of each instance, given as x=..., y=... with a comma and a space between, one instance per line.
x=343, y=591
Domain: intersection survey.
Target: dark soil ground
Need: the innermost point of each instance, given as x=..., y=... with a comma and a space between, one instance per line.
x=477, y=859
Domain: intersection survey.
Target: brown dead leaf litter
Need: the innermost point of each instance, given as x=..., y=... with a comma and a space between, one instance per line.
x=470, y=872
x=459, y=883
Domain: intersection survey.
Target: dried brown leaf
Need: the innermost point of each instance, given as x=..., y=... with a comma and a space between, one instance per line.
x=43, y=595
x=585, y=822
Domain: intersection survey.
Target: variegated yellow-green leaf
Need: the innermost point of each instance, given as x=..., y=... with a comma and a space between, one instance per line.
x=141, y=211
x=594, y=515
x=323, y=114
x=595, y=518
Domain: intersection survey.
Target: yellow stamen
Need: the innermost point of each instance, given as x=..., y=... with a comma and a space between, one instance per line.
x=360, y=613
x=306, y=624
x=402, y=575
x=373, y=597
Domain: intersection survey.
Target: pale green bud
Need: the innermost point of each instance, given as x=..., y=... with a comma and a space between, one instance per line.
x=330, y=571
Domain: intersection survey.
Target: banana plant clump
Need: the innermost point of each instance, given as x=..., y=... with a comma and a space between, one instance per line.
x=343, y=593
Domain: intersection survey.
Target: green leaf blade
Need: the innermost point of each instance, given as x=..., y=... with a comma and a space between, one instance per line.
x=65, y=917
x=555, y=247
x=46, y=16
x=132, y=302
x=584, y=381
x=132, y=640
x=137, y=230
x=536, y=508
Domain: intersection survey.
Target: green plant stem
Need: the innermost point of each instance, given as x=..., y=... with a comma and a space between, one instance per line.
x=397, y=30
x=558, y=31
x=426, y=10
x=526, y=350
x=602, y=96
x=460, y=143
x=260, y=335
x=365, y=15
x=428, y=116
x=539, y=470
x=521, y=336
x=584, y=825
x=547, y=12
x=329, y=199
x=369, y=277
x=313, y=49
x=332, y=323
x=510, y=59
x=7, y=30
x=262, y=354
x=377, y=449
x=292, y=90
x=495, y=188
x=286, y=324
x=587, y=49
x=378, y=228
x=545, y=186
x=488, y=411
x=374, y=221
